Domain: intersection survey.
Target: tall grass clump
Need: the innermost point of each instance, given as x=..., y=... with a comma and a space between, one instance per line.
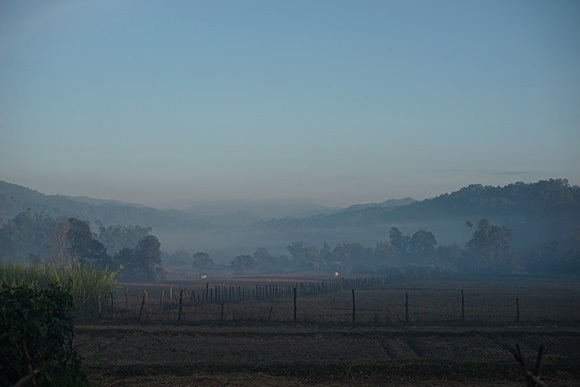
x=89, y=285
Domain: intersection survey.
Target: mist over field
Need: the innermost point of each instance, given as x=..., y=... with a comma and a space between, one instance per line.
x=518, y=228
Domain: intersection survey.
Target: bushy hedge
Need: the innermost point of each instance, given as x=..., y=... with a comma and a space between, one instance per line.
x=36, y=335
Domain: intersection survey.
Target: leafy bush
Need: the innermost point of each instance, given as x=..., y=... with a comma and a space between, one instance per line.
x=36, y=335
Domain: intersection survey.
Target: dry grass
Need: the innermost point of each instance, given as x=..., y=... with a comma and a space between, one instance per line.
x=487, y=301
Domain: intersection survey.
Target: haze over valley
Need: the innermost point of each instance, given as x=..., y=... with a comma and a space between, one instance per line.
x=537, y=214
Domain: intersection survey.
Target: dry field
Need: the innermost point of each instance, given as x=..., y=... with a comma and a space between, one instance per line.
x=323, y=299
x=254, y=341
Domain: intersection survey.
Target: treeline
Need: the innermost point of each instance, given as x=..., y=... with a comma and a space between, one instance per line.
x=37, y=238
x=487, y=252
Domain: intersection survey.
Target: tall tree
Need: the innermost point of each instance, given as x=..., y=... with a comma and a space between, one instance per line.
x=28, y=233
x=422, y=246
x=117, y=237
x=489, y=248
x=79, y=238
x=243, y=264
x=146, y=262
x=202, y=261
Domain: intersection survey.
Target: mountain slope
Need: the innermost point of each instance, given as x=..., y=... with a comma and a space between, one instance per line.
x=536, y=212
x=391, y=203
x=15, y=199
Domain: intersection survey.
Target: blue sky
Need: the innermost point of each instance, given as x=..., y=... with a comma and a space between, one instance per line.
x=339, y=102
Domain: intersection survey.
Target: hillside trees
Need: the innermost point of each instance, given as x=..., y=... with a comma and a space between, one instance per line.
x=398, y=240
x=202, y=261
x=557, y=257
x=114, y=238
x=178, y=258
x=422, y=246
x=488, y=251
x=243, y=264
x=28, y=233
x=145, y=259
x=386, y=254
x=268, y=263
x=304, y=254
x=38, y=237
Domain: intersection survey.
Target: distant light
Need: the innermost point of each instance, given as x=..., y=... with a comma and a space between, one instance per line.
x=203, y=276
x=336, y=274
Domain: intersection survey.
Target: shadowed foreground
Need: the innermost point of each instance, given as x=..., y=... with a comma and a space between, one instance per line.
x=284, y=354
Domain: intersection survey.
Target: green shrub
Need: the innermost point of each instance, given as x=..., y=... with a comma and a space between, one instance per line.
x=36, y=335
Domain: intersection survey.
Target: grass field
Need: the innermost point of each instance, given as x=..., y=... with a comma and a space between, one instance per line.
x=247, y=335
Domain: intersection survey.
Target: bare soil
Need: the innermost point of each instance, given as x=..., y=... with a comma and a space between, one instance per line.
x=274, y=354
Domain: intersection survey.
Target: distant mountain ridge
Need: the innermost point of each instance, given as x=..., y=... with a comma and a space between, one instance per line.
x=536, y=212
x=98, y=202
x=391, y=203
x=15, y=199
x=258, y=209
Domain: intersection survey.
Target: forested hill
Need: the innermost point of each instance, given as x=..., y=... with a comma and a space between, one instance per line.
x=389, y=204
x=536, y=212
x=15, y=199
x=519, y=201
x=546, y=198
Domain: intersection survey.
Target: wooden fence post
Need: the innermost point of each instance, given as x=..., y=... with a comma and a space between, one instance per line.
x=407, y=307
x=180, y=304
x=143, y=304
x=99, y=304
x=353, y=309
x=295, y=295
x=462, y=306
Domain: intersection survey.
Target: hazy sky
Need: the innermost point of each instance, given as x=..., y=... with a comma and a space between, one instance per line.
x=340, y=102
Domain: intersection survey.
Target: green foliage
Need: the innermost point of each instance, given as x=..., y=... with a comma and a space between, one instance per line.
x=202, y=261
x=28, y=233
x=36, y=333
x=422, y=246
x=79, y=238
x=85, y=283
x=488, y=251
x=243, y=264
x=178, y=258
x=115, y=238
x=37, y=238
x=142, y=263
x=268, y=263
x=557, y=258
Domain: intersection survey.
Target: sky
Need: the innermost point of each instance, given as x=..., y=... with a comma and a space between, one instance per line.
x=164, y=103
